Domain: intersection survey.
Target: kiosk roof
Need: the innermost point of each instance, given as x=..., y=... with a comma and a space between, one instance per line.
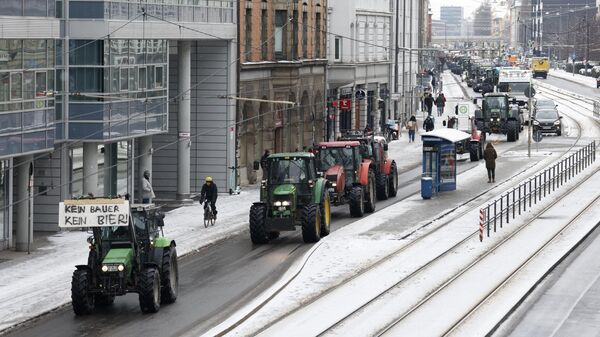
x=451, y=135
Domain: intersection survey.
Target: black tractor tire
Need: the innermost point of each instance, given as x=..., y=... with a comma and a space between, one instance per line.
x=325, y=210
x=149, y=290
x=311, y=223
x=511, y=134
x=382, y=187
x=474, y=152
x=104, y=300
x=83, y=300
x=258, y=233
x=370, y=194
x=393, y=181
x=169, y=276
x=356, y=203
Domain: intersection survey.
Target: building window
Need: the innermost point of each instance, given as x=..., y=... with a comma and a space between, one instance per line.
x=40, y=83
x=248, y=32
x=124, y=79
x=280, y=19
x=305, y=34
x=295, y=45
x=338, y=48
x=142, y=77
x=318, y=36
x=159, y=77
x=16, y=85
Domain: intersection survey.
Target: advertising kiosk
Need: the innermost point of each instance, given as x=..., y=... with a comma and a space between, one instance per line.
x=439, y=160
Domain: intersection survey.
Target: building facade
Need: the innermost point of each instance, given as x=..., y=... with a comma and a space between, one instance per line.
x=282, y=60
x=121, y=88
x=453, y=17
x=482, y=20
x=360, y=72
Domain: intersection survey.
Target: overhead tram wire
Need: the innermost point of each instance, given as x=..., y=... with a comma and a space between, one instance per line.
x=81, y=140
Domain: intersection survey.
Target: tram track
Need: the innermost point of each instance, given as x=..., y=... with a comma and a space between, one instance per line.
x=448, y=216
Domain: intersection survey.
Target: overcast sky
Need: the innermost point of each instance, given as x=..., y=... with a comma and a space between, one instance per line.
x=469, y=5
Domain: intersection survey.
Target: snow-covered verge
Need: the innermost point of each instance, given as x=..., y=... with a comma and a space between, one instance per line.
x=580, y=79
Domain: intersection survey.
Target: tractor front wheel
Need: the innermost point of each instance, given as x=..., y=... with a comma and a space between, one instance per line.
x=325, y=210
x=149, y=290
x=311, y=223
x=357, y=206
x=393, y=181
x=258, y=233
x=83, y=300
x=169, y=276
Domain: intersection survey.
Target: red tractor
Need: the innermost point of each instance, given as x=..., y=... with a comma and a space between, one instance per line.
x=351, y=179
x=374, y=150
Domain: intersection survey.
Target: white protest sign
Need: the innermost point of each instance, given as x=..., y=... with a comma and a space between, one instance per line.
x=93, y=213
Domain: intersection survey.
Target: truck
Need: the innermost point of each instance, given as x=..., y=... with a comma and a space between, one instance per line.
x=465, y=121
x=499, y=113
x=540, y=67
x=515, y=82
x=128, y=253
x=351, y=180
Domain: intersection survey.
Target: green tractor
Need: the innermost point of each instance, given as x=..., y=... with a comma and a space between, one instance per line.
x=128, y=254
x=293, y=194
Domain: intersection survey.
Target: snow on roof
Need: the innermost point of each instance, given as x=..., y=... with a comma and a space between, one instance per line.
x=451, y=135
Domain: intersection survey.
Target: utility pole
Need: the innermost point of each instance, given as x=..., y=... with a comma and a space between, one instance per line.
x=396, y=54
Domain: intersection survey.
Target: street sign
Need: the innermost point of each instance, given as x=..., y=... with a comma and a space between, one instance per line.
x=344, y=103
x=463, y=109
x=395, y=96
x=360, y=94
x=537, y=136
x=529, y=91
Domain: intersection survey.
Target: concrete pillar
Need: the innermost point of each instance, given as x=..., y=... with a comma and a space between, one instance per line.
x=90, y=168
x=23, y=225
x=145, y=162
x=110, y=169
x=376, y=113
x=184, y=50
x=337, y=121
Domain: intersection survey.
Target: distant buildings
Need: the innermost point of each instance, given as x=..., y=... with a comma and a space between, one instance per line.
x=452, y=17
x=482, y=20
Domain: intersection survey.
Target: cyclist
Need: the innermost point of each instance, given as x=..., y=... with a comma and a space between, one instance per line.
x=209, y=194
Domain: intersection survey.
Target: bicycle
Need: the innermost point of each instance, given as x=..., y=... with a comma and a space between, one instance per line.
x=209, y=216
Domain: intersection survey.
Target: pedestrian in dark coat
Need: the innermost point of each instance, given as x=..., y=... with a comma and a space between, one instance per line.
x=263, y=164
x=440, y=102
x=428, y=101
x=428, y=123
x=490, y=162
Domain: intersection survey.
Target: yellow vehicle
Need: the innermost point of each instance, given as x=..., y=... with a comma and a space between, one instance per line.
x=540, y=66
x=513, y=60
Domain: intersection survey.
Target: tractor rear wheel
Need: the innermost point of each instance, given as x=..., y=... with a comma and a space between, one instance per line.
x=357, y=205
x=258, y=233
x=325, y=210
x=169, y=278
x=393, y=181
x=382, y=187
x=370, y=194
x=311, y=223
x=83, y=300
x=149, y=290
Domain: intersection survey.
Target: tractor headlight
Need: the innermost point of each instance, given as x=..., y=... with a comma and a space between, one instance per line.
x=557, y=123
x=120, y=267
x=285, y=203
x=105, y=268
x=277, y=203
x=333, y=184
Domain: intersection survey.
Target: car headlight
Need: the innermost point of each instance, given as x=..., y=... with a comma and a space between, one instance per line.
x=557, y=123
x=277, y=203
x=536, y=123
x=285, y=203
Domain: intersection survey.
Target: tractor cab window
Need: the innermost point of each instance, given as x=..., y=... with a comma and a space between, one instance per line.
x=116, y=233
x=288, y=171
x=495, y=103
x=139, y=223
x=366, y=151
x=336, y=156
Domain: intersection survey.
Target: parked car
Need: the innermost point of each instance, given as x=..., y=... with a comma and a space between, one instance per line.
x=547, y=121
x=597, y=82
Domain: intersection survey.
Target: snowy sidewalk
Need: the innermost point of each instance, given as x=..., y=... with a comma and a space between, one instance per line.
x=580, y=79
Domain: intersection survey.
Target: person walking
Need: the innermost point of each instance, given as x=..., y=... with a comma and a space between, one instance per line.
x=490, y=156
x=428, y=123
x=412, y=127
x=428, y=101
x=263, y=164
x=147, y=190
x=440, y=102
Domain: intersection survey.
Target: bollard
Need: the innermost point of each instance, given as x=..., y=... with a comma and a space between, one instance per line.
x=481, y=217
x=487, y=215
x=495, y=216
x=501, y=210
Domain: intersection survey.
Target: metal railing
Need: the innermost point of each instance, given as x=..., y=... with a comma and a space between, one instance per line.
x=528, y=193
x=596, y=109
